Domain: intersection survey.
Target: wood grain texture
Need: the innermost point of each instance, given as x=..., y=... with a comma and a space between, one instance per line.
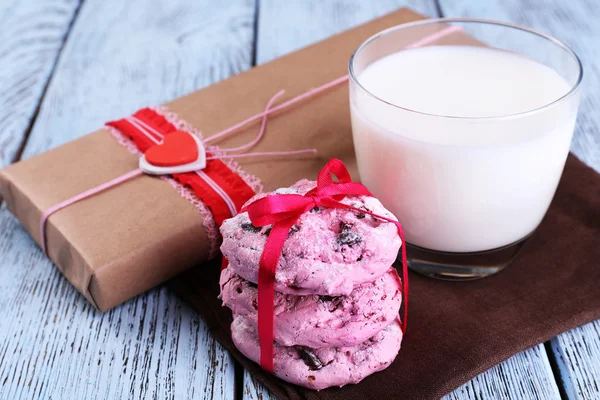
x=119, y=56
x=30, y=41
x=139, y=54
x=296, y=24
x=527, y=375
x=285, y=26
x=577, y=352
x=254, y=390
x=53, y=344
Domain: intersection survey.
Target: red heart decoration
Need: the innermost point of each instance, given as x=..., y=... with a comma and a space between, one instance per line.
x=177, y=148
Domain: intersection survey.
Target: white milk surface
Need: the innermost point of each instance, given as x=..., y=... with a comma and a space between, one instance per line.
x=458, y=180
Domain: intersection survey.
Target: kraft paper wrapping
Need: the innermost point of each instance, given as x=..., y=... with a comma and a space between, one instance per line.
x=133, y=237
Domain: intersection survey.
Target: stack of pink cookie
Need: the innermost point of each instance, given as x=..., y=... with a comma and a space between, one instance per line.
x=337, y=297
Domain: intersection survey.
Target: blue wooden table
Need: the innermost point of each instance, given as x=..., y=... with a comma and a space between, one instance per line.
x=66, y=66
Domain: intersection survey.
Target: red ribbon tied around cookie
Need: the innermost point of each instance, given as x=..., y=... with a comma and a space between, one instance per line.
x=282, y=211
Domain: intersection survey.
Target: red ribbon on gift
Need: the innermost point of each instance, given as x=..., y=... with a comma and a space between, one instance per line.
x=220, y=189
x=282, y=211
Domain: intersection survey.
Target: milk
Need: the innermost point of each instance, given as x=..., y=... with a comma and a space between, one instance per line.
x=463, y=171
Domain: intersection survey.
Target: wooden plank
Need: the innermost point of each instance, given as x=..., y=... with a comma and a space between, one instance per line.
x=119, y=56
x=140, y=54
x=31, y=37
x=254, y=390
x=577, y=352
x=54, y=345
x=526, y=375
x=577, y=355
x=284, y=26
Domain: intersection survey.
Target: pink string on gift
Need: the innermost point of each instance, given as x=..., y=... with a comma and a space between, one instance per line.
x=157, y=137
x=81, y=196
x=146, y=129
x=283, y=105
x=261, y=132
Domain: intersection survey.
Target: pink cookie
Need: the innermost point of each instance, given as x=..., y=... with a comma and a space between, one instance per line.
x=327, y=252
x=320, y=321
x=325, y=367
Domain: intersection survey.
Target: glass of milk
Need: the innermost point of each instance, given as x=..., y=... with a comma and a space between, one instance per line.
x=462, y=128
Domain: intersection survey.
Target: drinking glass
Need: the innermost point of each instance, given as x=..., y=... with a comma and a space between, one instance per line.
x=468, y=189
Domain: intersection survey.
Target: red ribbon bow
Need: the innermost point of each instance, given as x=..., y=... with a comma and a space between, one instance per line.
x=282, y=211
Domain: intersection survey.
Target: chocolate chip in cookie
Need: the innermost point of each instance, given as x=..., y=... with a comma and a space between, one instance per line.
x=345, y=226
x=248, y=227
x=252, y=284
x=348, y=238
x=313, y=362
x=293, y=229
x=332, y=302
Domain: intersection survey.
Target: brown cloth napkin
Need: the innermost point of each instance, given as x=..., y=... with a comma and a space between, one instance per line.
x=457, y=330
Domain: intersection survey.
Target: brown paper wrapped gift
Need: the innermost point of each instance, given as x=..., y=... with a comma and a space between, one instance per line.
x=133, y=237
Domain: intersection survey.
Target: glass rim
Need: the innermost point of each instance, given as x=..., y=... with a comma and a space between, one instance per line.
x=432, y=21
